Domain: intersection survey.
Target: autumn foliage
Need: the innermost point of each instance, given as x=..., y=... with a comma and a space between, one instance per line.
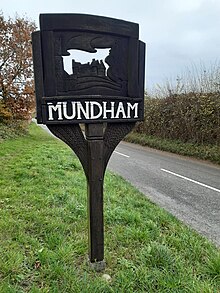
x=16, y=72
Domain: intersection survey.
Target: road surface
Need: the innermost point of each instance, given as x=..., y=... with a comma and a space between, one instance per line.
x=188, y=188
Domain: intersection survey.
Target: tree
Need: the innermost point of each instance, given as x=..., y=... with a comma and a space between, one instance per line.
x=16, y=70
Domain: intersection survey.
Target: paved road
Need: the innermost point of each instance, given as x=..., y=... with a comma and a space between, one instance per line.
x=187, y=188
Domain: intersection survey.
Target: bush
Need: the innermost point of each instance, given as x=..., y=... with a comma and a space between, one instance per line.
x=188, y=117
x=13, y=128
x=188, y=110
x=5, y=113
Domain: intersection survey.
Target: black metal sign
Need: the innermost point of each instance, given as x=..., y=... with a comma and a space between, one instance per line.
x=107, y=94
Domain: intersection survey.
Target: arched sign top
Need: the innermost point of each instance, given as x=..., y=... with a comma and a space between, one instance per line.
x=85, y=22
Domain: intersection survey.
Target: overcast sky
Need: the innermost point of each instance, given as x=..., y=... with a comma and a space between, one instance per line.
x=178, y=33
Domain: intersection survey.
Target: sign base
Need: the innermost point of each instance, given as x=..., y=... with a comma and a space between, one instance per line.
x=98, y=266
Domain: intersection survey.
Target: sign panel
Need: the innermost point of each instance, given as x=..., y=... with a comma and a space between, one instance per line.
x=109, y=89
x=88, y=109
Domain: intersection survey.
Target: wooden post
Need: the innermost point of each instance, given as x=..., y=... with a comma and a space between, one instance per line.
x=94, y=136
x=108, y=100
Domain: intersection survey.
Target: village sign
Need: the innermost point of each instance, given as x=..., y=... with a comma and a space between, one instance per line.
x=105, y=95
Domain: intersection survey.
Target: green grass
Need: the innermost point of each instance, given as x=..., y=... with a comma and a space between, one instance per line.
x=43, y=230
x=204, y=152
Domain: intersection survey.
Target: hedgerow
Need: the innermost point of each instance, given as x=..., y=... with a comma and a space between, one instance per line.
x=192, y=117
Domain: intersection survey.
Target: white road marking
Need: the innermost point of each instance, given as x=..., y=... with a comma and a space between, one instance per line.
x=126, y=156
x=191, y=180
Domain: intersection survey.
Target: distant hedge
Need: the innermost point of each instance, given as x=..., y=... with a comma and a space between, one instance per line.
x=188, y=117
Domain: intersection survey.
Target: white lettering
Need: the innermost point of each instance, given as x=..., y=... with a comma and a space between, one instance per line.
x=111, y=110
x=120, y=110
x=65, y=114
x=93, y=116
x=133, y=108
x=92, y=110
x=80, y=110
x=52, y=108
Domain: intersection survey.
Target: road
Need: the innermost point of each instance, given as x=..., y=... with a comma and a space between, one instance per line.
x=188, y=188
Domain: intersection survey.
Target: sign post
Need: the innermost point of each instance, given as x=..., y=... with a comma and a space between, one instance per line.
x=105, y=95
x=94, y=135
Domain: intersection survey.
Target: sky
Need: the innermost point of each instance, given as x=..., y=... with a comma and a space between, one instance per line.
x=179, y=34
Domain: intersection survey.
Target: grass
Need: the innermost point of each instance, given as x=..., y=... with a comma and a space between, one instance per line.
x=43, y=230
x=205, y=152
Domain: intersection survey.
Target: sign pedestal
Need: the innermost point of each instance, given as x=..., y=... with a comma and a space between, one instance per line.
x=94, y=151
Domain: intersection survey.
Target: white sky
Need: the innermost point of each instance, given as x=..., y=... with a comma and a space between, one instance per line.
x=178, y=33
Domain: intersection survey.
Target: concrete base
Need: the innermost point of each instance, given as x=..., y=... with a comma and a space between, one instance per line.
x=98, y=266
